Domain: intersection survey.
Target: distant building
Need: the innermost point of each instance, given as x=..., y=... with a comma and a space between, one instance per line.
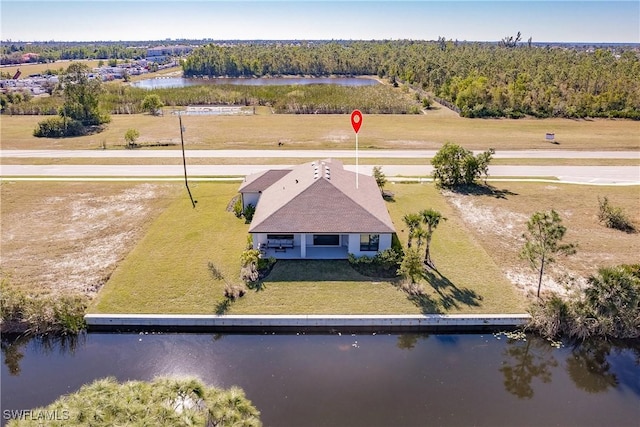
x=160, y=53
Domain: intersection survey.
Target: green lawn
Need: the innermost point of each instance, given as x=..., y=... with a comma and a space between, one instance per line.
x=167, y=272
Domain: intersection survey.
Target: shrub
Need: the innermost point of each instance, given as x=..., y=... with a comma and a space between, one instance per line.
x=412, y=266
x=248, y=212
x=609, y=307
x=253, y=266
x=237, y=207
x=613, y=216
x=383, y=264
x=58, y=127
x=130, y=136
x=233, y=291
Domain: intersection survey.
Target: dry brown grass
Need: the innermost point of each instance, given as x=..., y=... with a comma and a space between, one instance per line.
x=69, y=236
x=429, y=131
x=499, y=222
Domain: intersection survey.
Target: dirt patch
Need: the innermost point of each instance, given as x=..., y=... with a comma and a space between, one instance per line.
x=70, y=236
x=499, y=223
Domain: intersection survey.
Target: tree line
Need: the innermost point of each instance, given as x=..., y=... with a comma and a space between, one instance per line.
x=481, y=79
x=11, y=53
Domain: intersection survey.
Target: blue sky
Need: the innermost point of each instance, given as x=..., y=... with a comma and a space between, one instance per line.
x=480, y=20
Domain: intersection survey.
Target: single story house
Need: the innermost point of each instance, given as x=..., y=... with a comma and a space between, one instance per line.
x=315, y=211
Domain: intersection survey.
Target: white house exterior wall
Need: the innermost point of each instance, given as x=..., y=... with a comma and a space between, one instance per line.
x=354, y=245
x=250, y=199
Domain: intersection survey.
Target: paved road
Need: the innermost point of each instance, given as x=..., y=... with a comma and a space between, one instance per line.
x=628, y=175
x=312, y=154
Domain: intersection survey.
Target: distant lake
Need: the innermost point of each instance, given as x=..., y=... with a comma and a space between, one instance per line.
x=170, y=82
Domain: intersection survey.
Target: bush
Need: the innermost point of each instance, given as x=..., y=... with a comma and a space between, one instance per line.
x=608, y=307
x=383, y=264
x=233, y=291
x=253, y=266
x=58, y=127
x=613, y=216
x=248, y=212
x=237, y=207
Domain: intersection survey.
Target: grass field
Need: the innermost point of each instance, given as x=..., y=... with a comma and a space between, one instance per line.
x=427, y=131
x=296, y=161
x=62, y=236
x=28, y=69
x=168, y=270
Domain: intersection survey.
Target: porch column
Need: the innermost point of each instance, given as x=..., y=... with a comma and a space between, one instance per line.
x=303, y=245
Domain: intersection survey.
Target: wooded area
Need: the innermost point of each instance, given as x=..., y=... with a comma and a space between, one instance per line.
x=481, y=79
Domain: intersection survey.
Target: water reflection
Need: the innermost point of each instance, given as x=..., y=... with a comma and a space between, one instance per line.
x=360, y=379
x=589, y=368
x=409, y=341
x=525, y=360
x=13, y=347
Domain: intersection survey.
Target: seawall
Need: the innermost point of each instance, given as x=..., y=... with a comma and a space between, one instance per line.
x=305, y=323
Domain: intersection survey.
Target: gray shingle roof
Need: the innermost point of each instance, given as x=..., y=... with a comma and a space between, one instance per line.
x=260, y=181
x=321, y=197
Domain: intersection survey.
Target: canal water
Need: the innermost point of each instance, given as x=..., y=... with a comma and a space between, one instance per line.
x=170, y=82
x=353, y=380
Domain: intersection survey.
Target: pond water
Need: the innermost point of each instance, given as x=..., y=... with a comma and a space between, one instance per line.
x=170, y=82
x=353, y=380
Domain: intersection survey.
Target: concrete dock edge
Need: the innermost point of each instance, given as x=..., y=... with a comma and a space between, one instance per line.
x=307, y=323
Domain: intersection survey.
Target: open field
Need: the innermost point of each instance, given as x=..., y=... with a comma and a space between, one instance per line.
x=59, y=237
x=28, y=69
x=68, y=237
x=427, y=131
x=294, y=161
x=499, y=219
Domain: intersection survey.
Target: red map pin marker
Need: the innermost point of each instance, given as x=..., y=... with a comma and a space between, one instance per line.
x=356, y=120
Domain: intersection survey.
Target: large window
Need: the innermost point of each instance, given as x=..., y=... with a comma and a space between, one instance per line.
x=326, y=240
x=369, y=242
x=280, y=236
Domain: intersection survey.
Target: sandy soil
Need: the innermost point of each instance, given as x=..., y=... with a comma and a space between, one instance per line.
x=499, y=223
x=69, y=236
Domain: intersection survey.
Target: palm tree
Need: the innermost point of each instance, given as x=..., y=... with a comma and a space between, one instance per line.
x=412, y=221
x=431, y=218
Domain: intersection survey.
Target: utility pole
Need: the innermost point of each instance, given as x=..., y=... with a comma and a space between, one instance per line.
x=184, y=161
